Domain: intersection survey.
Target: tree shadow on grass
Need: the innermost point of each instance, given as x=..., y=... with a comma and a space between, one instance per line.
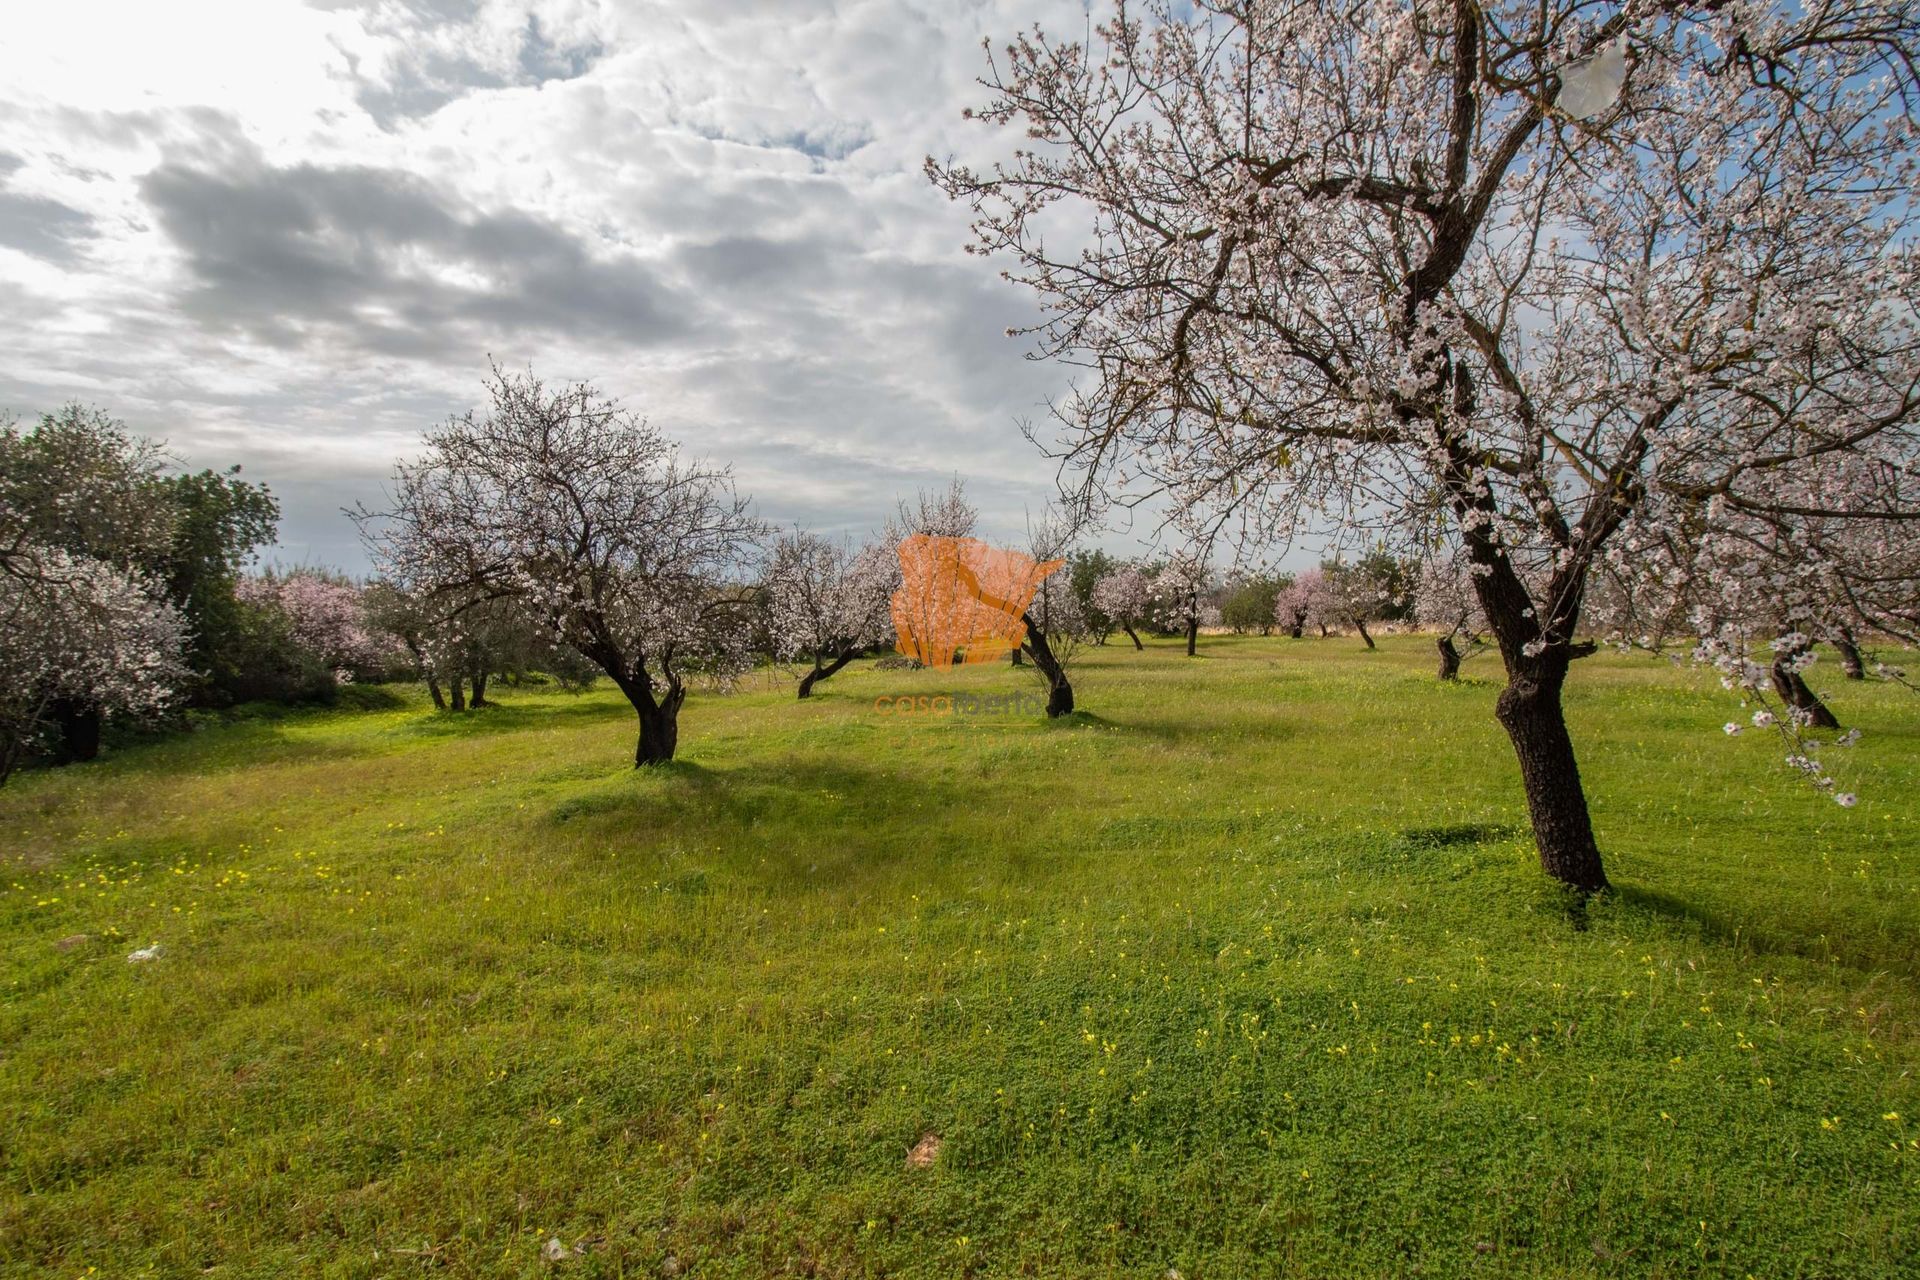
x=1088, y=720
x=1157, y=730
x=814, y=817
x=1895, y=950
x=216, y=746
x=1442, y=853
x=688, y=791
x=509, y=717
x=217, y=749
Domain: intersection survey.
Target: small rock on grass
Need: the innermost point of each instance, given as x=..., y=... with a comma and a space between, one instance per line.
x=925, y=1152
x=144, y=954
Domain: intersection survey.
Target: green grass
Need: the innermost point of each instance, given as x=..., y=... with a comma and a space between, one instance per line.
x=1249, y=971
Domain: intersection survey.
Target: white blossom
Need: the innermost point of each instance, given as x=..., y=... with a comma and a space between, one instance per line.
x=78, y=629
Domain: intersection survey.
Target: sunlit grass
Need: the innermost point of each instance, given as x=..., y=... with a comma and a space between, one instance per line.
x=1247, y=971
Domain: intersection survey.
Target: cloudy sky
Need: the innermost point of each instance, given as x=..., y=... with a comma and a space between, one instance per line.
x=290, y=235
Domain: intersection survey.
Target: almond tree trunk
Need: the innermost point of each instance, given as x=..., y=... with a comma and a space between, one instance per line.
x=659, y=716
x=824, y=671
x=1132, y=636
x=1530, y=711
x=659, y=733
x=79, y=724
x=1360, y=625
x=1793, y=691
x=1536, y=652
x=1449, y=658
x=13, y=749
x=414, y=647
x=1059, y=687
x=1193, y=633
x=1849, y=649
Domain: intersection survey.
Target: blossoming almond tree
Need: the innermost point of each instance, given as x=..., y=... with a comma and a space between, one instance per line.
x=1126, y=596
x=942, y=513
x=1751, y=591
x=1444, y=599
x=1300, y=602
x=1056, y=624
x=75, y=629
x=586, y=515
x=828, y=603
x=1176, y=591
x=1796, y=574
x=456, y=647
x=325, y=616
x=1521, y=270
x=1371, y=589
x=78, y=491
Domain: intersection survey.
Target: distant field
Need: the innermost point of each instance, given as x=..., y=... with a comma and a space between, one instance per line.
x=1248, y=971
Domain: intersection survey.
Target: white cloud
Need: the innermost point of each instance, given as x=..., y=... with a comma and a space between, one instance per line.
x=290, y=235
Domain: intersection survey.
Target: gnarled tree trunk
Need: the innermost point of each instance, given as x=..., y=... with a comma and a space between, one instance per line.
x=1793, y=691
x=414, y=647
x=457, y=688
x=1132, y=636
x=824, y=671
x=1059, y=688
x=479, y=699
x=1850, y=661
x=659, y=715
x=1449, y=658
x=1360, y=625
x=13, y=748
x=659, y=732
x=1193, y=633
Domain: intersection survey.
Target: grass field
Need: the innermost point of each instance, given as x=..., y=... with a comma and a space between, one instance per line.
x=1248, y=971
